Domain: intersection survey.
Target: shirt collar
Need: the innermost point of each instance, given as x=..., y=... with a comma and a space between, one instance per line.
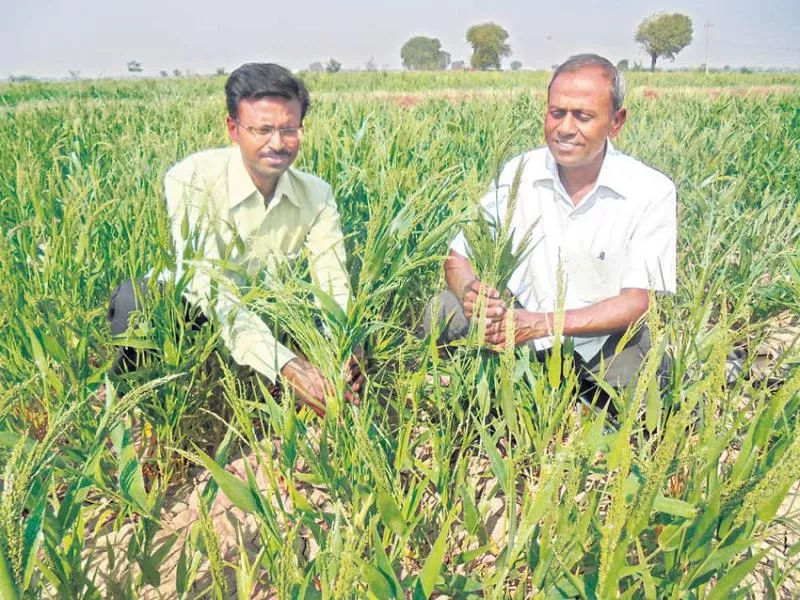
x=610, y=175
x=241, y=186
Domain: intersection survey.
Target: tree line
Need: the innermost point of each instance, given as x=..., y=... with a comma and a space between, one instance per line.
x=661, y=35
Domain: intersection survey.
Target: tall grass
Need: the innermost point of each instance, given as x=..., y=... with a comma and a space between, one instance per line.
x=440, y=481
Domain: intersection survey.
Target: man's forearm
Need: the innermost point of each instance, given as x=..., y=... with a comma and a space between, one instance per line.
x=602, y=318
x=458, y=273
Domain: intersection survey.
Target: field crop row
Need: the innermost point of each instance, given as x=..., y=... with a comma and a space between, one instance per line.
x=449, y=478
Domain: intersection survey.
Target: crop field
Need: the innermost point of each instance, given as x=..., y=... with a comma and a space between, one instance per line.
x=475, y=475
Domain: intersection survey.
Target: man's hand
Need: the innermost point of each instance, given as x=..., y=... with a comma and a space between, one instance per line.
x=308, y=384
x=354, y=377
x=528, y=326
x=472, y=299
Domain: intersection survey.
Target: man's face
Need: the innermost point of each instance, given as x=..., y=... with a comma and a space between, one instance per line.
x=580, y=118
x=266, y=156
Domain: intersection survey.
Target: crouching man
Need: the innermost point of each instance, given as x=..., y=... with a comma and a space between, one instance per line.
x=244, y=209
x=608, y=219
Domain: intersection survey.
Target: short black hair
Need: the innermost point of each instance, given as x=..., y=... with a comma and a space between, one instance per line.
x=252, y=81
x=614, y=75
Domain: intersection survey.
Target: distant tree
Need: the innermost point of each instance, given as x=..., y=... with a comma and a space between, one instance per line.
x=134, y=66
x=664, y=35
x=74, y=74
x=516, y=65
x=316, y=67
x=623, y=65
x=637, y=66
x=220, y=70
x=176, y=72
x=163, y=73
x=371, y=64
x=21, y=78
x=333, y=66
x=488, y=42
x=458, y=65
x=422, y=53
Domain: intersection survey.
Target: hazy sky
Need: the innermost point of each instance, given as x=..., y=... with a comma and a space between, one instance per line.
x=97, y=37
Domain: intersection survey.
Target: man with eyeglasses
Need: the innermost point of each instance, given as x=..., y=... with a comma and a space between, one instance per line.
x=245, y=208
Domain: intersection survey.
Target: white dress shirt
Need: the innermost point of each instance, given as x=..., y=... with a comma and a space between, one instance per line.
x=622, y=234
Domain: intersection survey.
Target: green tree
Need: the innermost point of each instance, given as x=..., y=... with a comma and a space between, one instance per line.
x=316, y=67
x=134, y=66
x=623, y=65
x=422, y=53
x=516, y=65
x=664, y=35
x=488, y=42
x=333, y=66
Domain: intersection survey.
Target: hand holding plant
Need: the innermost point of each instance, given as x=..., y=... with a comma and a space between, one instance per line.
x=308, y=384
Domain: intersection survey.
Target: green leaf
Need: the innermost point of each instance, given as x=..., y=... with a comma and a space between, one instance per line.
x=731, y=579
x=332, y=310
x=495, y=460
x=376, y=581
x=131, y=480
x=30, y=544
x=653, y=407
x=674, y=507
x=770, y=506
x=8, y=589
x=390, y=513
x=670, y=536
x=383, y=561
x=237, y=491
x=433, y=564
x=471, y=515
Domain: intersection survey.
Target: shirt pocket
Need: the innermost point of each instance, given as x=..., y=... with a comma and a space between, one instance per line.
x=590, y=277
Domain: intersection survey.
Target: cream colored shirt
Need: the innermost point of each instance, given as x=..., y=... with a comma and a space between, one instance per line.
x=621, y=235
x=216, y=210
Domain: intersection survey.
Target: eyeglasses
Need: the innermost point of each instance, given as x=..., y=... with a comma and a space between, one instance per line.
x=265, y=132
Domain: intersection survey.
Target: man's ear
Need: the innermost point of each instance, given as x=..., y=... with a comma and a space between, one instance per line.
x=233, y=129
x=617, y=121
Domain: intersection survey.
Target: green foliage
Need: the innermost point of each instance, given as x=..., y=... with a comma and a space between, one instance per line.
x=663, y=35
x=333, y=66
x=422, y=53
x=488, y=41
x=446, y=479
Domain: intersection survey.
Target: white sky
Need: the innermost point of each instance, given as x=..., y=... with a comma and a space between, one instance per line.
x=48, y=38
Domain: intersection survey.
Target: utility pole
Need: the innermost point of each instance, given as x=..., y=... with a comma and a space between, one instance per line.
x=708, y=27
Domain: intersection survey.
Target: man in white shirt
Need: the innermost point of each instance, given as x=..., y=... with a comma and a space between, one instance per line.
x=608, y=219
x=243, y=212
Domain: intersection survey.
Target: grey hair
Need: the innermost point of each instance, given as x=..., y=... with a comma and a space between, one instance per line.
x=615, y=77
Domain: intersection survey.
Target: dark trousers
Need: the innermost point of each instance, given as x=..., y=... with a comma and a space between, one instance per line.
x=621, y=367
x=127, y=298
